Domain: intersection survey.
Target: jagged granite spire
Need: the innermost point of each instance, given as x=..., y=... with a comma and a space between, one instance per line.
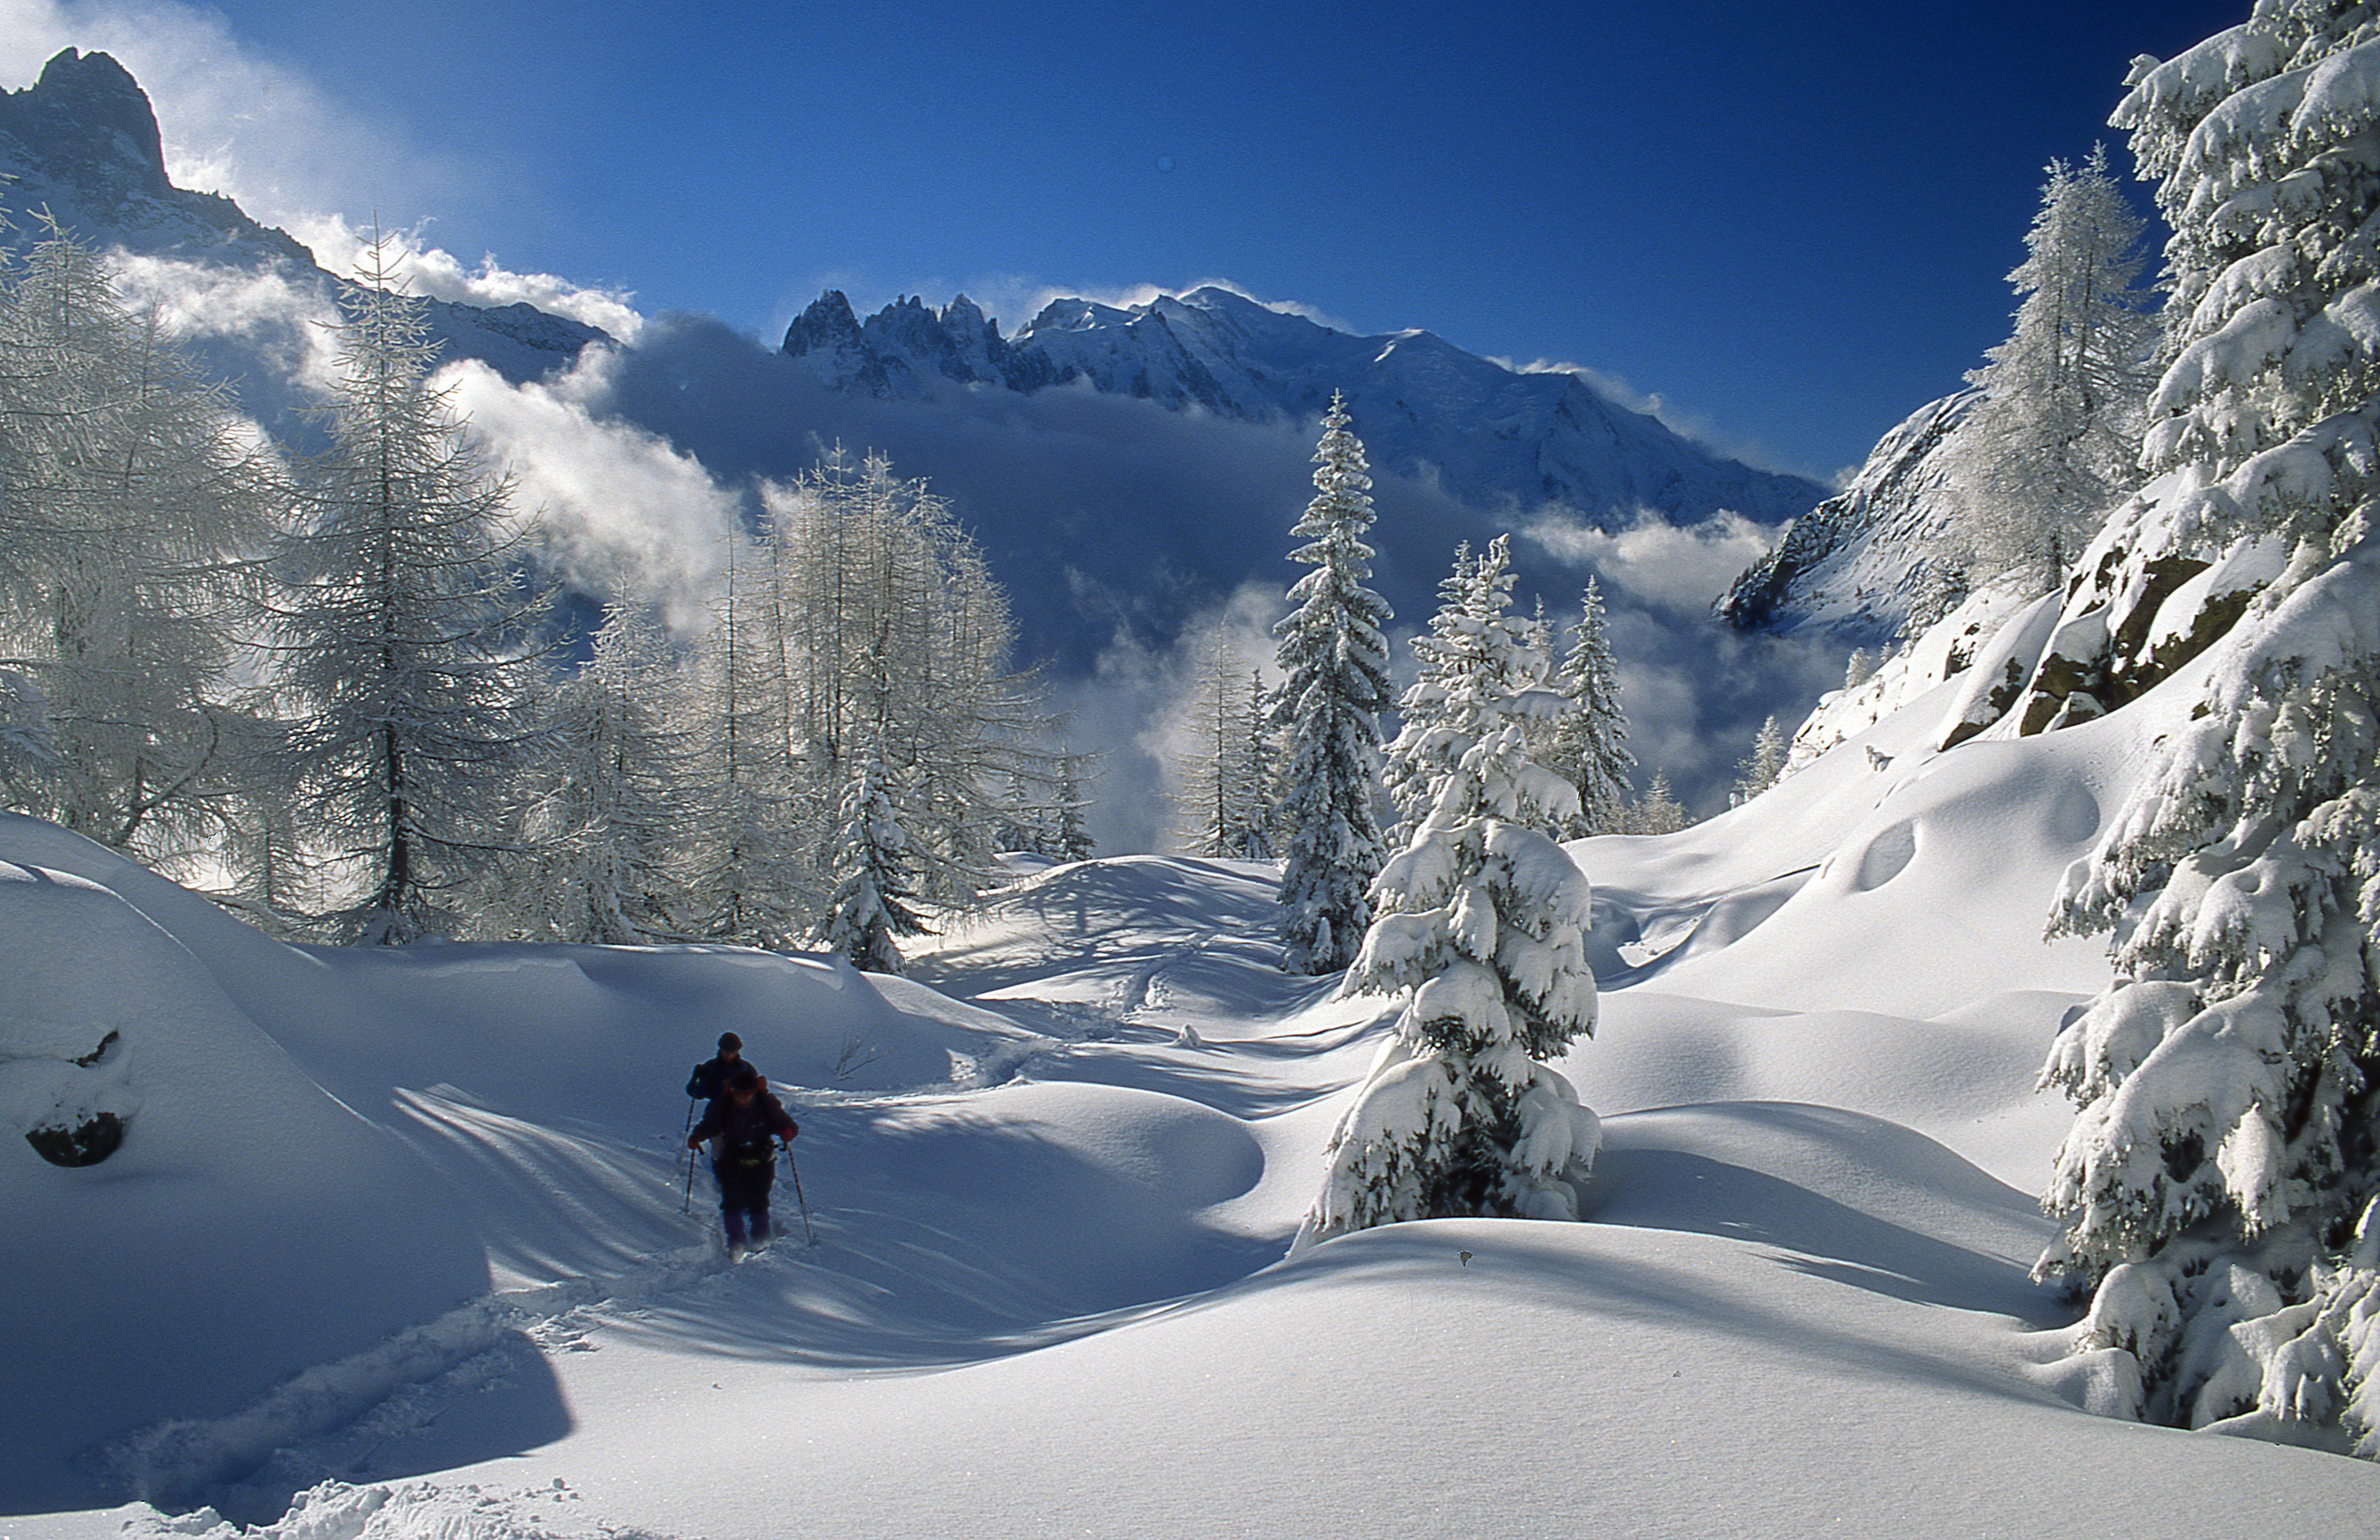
x=94, y=123
x=896, y=350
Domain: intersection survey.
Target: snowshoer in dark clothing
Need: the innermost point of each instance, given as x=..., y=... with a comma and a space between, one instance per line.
x=710, y=1079
x=745, y=1124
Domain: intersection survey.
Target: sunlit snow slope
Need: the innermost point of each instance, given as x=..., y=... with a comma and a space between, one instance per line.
x=400, y=1234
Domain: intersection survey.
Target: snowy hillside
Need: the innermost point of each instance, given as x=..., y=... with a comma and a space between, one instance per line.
x=1490, y=435
x=1855, y=564
x=400, y=1234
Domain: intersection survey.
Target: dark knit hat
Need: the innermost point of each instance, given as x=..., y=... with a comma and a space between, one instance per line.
x=729, y=1040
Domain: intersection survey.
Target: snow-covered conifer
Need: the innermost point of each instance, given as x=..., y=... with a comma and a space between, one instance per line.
x=130, y=518
x=2053, y=443
x=606, y=828
x=883, y=626
x=1587, y=743
x=403, y=632
x=1226, y=788
x=1074, y=835
x=1334, y=684
x=1480, y=926
x=2218, y=1186
x=752, y=866
x=869, y=910
x=1761, y=767
x=1474, y=647
x=1660, y=812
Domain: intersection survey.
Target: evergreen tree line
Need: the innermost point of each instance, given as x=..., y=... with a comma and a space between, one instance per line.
x=329, y=688
x=1263, y=762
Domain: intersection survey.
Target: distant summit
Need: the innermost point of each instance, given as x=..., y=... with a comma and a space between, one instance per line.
x=94, y=121
x=81, y=142
x=1490, y=435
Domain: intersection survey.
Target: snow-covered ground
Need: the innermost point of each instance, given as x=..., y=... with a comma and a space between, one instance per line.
x=402, y=1234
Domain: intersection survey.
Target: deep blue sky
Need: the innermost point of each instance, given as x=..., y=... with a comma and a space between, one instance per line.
x=1792, y=222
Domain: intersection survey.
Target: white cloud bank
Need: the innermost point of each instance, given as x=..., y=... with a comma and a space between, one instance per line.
x=617, y=508
x=1674, y=566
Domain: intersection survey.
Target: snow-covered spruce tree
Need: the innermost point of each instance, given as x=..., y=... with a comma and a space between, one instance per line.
x=1761, y=767
x=2217, y=1188
x=605, y=830
x=1479, y=924
x=130, y=516
x=1260, y=754
x=405, y=632
x=1414, y=758
x=1660, y=812
x=1334, y=669
x=1586, y=745
x=1074, y=841
x=1474, y=647
x=2053, y=443
x=869, y=910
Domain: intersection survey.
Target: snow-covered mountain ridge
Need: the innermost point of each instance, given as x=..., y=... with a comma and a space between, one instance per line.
x=1491, y=435
x=81, y=144
x=1130, y=473
x=1855, y=562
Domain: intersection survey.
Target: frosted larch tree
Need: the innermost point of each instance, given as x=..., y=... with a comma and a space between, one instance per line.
x=1660, y=812
x=2053, y=443
x=607, y=828
x=130, y=515
x=405, y=632
x=752, y=869
x=1224, y=792
x=1335, y=671
x=1760, y=768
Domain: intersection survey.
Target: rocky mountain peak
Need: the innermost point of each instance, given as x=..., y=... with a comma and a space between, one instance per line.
x=93, y=122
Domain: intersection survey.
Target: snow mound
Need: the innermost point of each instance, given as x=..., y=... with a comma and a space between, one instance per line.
x=239, y=1181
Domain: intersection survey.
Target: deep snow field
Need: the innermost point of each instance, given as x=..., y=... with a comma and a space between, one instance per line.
x=401, y=1234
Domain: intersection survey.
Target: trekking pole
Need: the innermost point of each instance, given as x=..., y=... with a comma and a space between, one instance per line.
x=800, y=1202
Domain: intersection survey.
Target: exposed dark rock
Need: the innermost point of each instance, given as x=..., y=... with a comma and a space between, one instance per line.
x=84, y=1144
